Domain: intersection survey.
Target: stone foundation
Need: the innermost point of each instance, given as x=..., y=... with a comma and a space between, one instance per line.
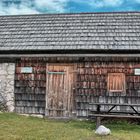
x=7, y=72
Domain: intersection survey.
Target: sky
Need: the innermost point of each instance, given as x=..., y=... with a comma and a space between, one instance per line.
x=23, y=7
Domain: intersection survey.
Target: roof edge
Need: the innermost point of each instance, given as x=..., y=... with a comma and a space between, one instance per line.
x=68, y=55
x=72, y=51
x=71, y=13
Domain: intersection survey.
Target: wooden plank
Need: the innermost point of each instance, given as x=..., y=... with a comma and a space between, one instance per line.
x=113, y=112
x=52, y=72
x=114, y=116
x=55, y=109
x=60, y=90
x=98, y=121
x=114, y=104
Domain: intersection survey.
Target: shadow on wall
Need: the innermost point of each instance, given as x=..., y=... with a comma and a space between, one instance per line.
x=3, y=104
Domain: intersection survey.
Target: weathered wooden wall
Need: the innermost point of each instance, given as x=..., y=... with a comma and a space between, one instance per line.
x=92, y=85
x=30, y=88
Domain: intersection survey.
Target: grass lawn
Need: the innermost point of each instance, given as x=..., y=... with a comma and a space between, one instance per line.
x=16, y=127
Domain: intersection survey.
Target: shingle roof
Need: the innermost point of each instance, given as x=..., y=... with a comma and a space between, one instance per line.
x=99, y=31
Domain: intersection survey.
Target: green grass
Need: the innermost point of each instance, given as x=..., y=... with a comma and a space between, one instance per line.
x=16, y=127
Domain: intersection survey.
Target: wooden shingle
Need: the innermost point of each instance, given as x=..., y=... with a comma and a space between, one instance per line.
x=89, y=31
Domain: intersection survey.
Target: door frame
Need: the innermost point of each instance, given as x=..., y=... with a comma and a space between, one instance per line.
x=74, y=81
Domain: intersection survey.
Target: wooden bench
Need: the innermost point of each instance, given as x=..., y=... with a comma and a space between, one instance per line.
x=98, y=114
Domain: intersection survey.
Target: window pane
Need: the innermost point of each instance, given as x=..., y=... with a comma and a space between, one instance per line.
x=116, y=82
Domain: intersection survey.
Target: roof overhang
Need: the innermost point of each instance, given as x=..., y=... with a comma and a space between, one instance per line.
x=67, y=55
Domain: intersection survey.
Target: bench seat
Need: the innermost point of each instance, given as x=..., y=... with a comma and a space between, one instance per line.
x=114, y=116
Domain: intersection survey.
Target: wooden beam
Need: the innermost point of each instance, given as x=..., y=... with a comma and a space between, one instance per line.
x=52, y=72
x=98, y=122
x=67, y=55
x=114, y=104
x=114, y=116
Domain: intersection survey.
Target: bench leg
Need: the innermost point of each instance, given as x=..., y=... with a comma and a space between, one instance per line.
x=98, y=122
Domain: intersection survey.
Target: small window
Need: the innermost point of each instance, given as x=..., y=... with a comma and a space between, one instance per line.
x=116, y=82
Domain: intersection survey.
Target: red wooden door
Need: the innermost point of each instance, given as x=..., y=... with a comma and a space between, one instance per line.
x=59, y=96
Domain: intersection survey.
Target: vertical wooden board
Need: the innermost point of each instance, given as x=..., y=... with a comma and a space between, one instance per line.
x=59, y=90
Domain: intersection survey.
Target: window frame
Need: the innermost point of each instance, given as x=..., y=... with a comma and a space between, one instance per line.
x=124, y=83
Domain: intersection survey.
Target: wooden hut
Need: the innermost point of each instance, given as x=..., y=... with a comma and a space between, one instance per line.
x=61, y=65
